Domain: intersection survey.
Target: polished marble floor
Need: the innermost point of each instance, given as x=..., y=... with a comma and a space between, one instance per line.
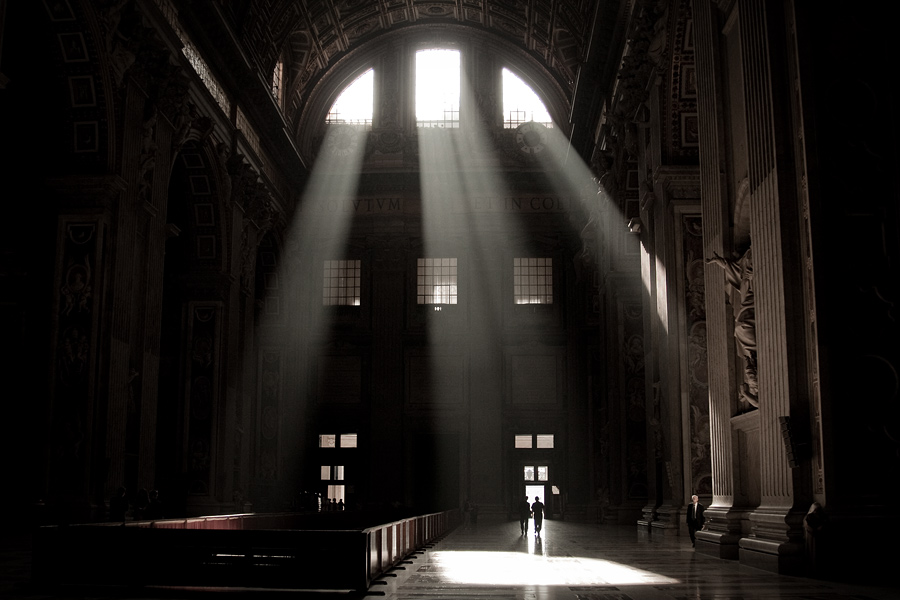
x=493, y=561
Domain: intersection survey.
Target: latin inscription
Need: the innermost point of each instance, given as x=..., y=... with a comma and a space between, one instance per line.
x=481, y=204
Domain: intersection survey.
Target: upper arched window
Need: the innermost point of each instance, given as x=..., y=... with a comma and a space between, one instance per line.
x=278, y=82
x=437, y=88
x=356, y=102
x=521, y=104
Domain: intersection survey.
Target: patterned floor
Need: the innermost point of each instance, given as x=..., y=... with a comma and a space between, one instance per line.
x=495, y=562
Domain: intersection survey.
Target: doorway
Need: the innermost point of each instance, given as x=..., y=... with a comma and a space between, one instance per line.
x=535, y=490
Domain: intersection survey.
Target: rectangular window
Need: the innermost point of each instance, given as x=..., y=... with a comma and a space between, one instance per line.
x=329, y=472
x=327, y=441
x=523, y=441
x=348, y=440
x=336, y=493
x=545, y=440
x=529, y=473
x=533, y=280
x=543, y=473
x=341, y=283
x=436, y=281
x=437, y=88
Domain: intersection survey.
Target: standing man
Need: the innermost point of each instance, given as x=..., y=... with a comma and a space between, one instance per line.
x=524, y=514
x=694, y=517
x=537, y=509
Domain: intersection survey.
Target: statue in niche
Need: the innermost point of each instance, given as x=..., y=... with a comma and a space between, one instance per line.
x=739, y=275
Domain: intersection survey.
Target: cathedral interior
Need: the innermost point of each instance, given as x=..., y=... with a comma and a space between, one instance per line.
x=216, y=287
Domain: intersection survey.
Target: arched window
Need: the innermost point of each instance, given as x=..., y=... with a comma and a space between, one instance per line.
x=277, y=82
x=437, y=88
x=356, y=102
x=521, y=104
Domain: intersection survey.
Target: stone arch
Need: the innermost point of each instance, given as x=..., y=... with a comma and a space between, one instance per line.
x=195, y=285
x=310, y=124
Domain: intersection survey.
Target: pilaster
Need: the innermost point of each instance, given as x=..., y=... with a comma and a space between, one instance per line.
x=723, y=524
x=79, y=393
x=776, y=542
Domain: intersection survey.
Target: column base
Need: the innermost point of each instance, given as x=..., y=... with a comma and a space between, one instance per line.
x=784, y=558
x=668, y=519
x=719, y=545
x=724, y=529
x=621, y=515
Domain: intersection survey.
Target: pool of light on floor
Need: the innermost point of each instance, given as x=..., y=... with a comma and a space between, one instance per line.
x=516, y=568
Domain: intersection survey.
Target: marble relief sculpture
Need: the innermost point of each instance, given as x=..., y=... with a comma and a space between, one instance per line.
x=739, y=275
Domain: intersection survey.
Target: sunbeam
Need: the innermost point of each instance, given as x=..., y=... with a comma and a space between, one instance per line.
x=515, y=568
x=313, y=277
x=322, y=222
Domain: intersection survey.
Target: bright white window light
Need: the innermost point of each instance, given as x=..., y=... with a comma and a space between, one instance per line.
x=436, y=281
x=521, y=104
x=356, y=103
x=277, y=78
x=523, y=441
x=437, y=88
x=545, y=440
x=341, y=283
x=533, y=280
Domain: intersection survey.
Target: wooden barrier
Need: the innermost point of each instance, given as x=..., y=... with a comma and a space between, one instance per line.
x=251, y=550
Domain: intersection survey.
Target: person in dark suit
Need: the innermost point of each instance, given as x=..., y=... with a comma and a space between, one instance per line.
x=537, y=509
x=524, y=515
x=695, y=517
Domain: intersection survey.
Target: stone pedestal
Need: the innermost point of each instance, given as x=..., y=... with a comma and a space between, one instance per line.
x=667, y=520
x=778, y=557
x=722, y=533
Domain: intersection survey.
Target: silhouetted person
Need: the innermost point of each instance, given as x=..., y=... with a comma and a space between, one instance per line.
x=118, y=505
x=154, y=509
x=537, y=509
x=524, y=515
x=340, y=504
x=694, y=517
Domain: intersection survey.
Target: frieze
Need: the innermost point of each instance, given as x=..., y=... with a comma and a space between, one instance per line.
x=478, y=204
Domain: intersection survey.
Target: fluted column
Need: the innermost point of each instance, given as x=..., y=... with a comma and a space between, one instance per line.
x=723, y=525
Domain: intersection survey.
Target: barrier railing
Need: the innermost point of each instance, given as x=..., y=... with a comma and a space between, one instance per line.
x=249, y=550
